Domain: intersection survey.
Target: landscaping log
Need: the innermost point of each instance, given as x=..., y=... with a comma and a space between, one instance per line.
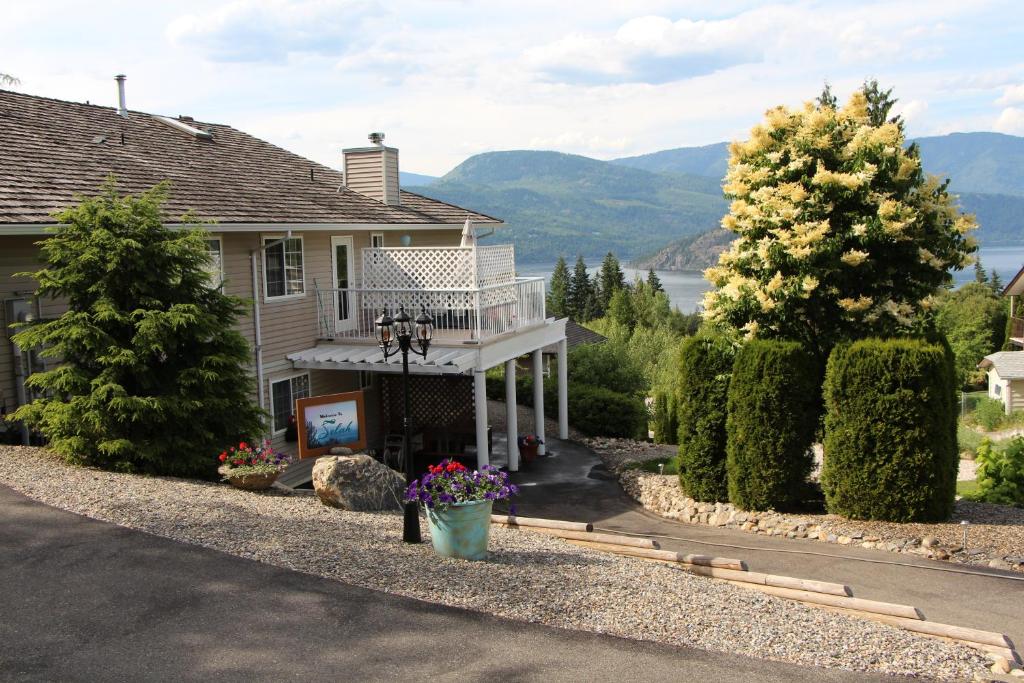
x=773, y=580
x=513, y=521
x=963, y=633
x=855, y=605
x=609, y=539
x=669, y=556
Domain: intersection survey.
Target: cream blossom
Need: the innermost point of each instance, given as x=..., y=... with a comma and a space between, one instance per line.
x=854, y=257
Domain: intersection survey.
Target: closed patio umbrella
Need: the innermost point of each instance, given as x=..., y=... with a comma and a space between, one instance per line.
x=468, y=234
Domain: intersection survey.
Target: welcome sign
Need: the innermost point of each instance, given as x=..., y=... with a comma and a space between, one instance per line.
x=325, y=422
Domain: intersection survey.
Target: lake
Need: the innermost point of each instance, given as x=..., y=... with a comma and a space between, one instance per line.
x=686, y=289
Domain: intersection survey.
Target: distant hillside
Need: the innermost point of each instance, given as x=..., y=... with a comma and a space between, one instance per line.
x=566, y=204
x=694, y=252
x=990, y=163
x=414, y=179
x=709, y=160
x=649, y=208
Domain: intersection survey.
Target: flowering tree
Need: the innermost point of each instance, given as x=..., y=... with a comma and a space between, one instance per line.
x=839, y=232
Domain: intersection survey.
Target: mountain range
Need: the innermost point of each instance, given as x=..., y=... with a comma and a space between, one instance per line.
x=662, y=209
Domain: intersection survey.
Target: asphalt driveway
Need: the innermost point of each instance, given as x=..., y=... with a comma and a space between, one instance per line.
x=84, y=600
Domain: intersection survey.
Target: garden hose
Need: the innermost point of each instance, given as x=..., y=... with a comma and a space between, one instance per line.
x=951, y=570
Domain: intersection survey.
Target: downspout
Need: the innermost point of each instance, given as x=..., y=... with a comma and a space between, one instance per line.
x=257, y=327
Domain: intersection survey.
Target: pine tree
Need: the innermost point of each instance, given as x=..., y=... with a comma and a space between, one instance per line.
x=654, y=282
x=980, y=276
x=996, y=283
x=827, y=98
x=610, y=279
x=153, y=376
x=581, y=292
x=558, y=297
x=880, y=103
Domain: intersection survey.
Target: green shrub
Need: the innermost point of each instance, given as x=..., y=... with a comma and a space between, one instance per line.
x=772, y=418
x=1001, y=473
x=666, y=417
x=704, y=369
x=990, y=413
x=890, y=440
x=597, y=411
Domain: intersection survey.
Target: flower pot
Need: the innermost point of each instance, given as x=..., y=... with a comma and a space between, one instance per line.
x=254, y=481
x=461, y=530
x=529, y=453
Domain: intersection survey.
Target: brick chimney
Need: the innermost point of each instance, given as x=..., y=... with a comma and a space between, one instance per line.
x=373, y=170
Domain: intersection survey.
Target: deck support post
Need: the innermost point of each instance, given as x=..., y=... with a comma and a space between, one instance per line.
x=512, y=415
x=538, y=398
x=563, y=389
x=480, y=406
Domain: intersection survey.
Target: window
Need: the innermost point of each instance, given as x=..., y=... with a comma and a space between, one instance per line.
x=377, y=240
x=215, y=250
x=283, y=267
x=998, y=390
x=283, y=394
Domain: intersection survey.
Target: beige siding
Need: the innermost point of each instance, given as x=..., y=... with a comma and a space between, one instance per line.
x=391, y=189
x=1017, y=394
x=320, y=382
x=363, y=173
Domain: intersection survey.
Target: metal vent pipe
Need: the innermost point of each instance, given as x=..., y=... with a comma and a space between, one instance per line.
x=121, y=108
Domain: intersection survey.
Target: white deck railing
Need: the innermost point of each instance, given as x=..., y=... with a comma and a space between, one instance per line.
x=472, y=314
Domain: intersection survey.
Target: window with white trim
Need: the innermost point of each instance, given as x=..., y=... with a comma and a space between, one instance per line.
x=283, y=273
x=283, y=394
x=215, y=266
x=377, y=240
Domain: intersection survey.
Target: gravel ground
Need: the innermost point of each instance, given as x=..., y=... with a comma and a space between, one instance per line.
x=528, y=577
x=995, y=533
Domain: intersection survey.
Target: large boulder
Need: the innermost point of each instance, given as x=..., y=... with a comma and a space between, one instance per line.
x=357, y=482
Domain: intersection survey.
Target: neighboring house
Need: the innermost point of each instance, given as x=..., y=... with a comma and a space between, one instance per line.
x=1014, y=289
x=319, y=253
x=1005, y=378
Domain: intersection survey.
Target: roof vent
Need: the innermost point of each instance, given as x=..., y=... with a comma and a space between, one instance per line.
x=185, y=127
x=377, y=138
x=122, y=110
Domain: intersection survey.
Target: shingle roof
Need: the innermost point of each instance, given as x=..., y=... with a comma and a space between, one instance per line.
x=1009, y=364
x=575, y=335
x=51, y=150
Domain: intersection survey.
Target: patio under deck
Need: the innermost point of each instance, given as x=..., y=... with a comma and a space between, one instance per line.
x=451, y=358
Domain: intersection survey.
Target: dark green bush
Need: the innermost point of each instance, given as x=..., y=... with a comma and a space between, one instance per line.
x=705, y=367
x=607, y=365
x=773, y=414
x=597, y=411
x=666, y=417
x=890, y=444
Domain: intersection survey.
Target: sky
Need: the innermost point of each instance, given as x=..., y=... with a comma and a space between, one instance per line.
x=446, y=79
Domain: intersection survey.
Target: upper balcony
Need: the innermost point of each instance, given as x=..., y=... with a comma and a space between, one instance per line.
x=471, y=293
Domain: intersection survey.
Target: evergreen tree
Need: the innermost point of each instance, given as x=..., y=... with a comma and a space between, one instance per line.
x=826, y=98
x=581, y=292
x=558, y=297
x=153, y=375
x=980, y=276
x=610, y=279
x=880, y=103
x=620, y=309
x=996, y=282
x=654, y=282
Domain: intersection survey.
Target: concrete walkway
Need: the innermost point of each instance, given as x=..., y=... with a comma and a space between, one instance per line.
x=574, y=485
x=89, y=601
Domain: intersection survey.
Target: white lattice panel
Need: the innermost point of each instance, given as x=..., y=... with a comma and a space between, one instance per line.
x=414, y=268
x=496, y=265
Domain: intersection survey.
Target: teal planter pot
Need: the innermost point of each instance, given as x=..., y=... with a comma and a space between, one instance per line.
x=461, y=531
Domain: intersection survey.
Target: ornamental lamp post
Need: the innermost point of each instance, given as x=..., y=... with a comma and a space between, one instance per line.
x=388, y=330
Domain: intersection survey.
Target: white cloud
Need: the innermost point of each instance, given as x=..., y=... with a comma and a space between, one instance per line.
x=1010, y=121
x=1012, y=94
x=270, y=30
x=912, y=110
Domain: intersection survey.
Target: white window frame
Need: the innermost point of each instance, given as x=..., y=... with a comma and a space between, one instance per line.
x=376, y=237
x=309, y=382
x=302, y=254
x=219, y=239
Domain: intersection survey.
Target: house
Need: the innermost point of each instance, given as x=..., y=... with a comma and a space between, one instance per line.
x=319, y=253
x=1014, y=289
x=1005, y=378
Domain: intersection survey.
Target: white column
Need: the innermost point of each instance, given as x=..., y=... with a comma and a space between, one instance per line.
x=538, y=398
x=563, y=390
x=512, y=415
x=480, y=401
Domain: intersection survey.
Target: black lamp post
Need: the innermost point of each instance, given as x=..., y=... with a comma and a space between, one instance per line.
x=389, y=329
